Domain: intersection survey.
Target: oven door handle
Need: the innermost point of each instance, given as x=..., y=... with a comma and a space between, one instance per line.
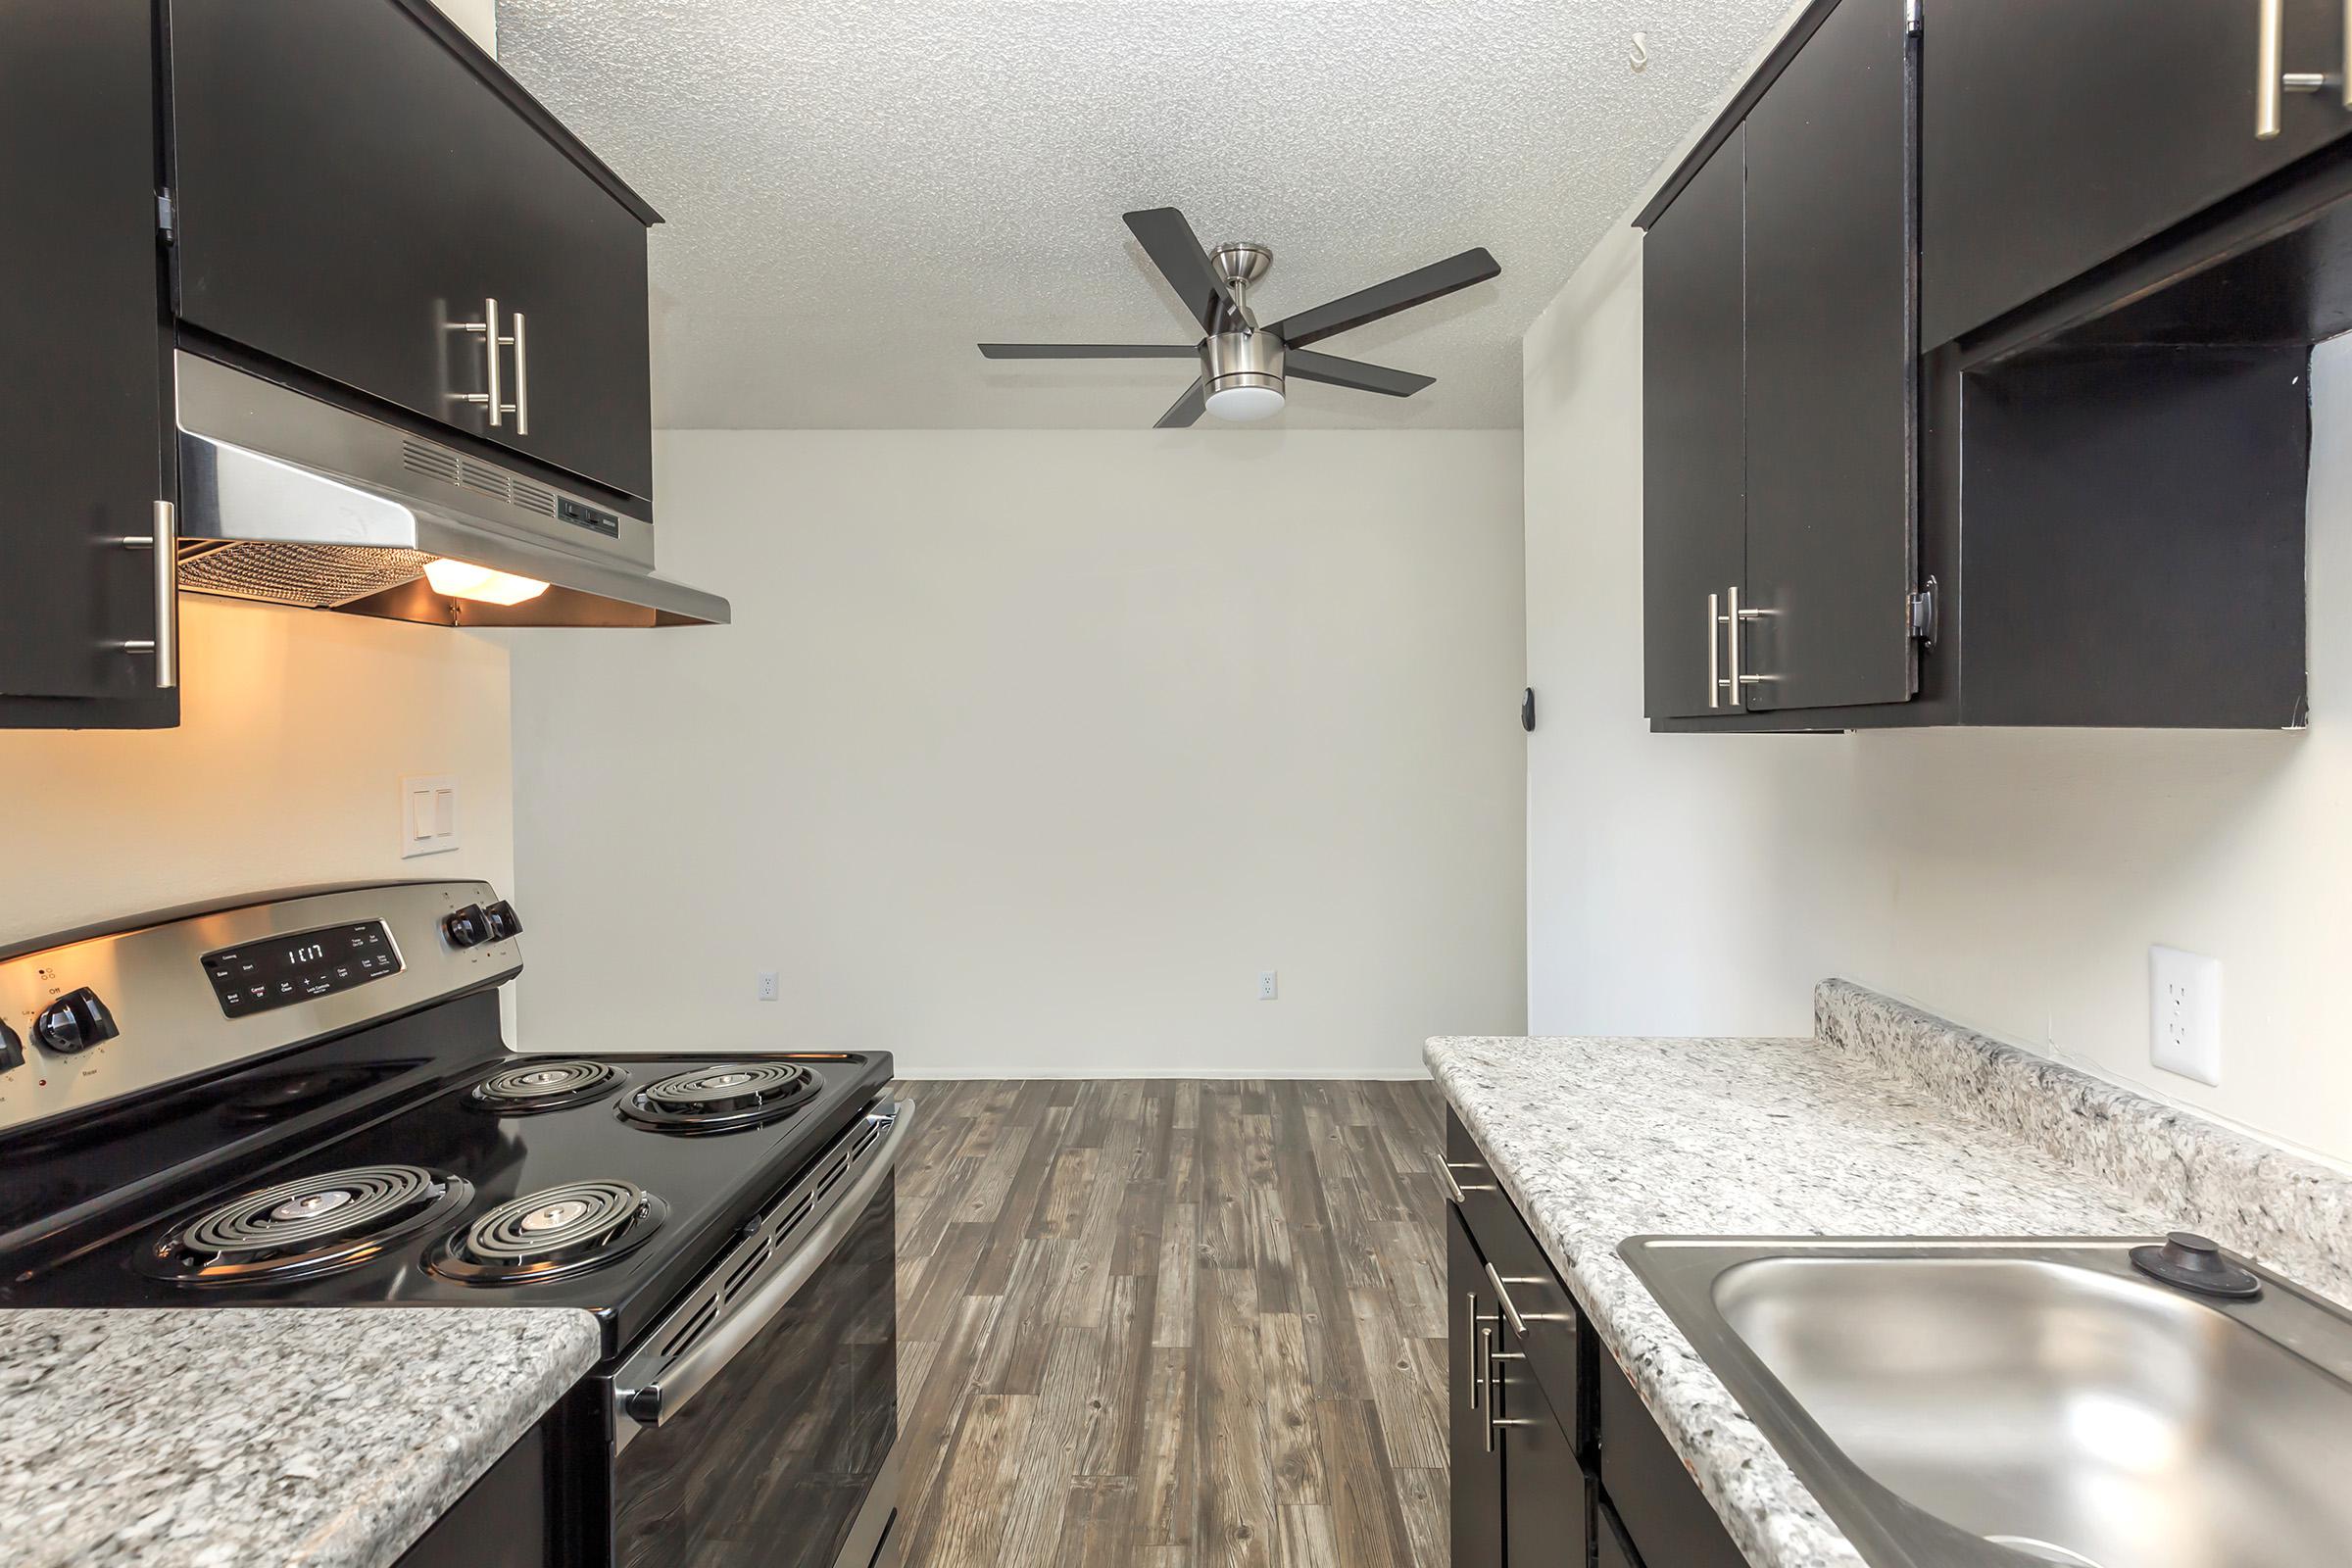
x=653, y=1403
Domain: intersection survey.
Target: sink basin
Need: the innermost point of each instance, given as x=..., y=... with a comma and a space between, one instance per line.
x=2025, y=1402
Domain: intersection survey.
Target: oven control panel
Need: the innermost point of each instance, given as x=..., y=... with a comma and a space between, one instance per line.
x=281, y=970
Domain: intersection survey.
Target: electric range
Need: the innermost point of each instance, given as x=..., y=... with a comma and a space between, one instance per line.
x=306, y=1100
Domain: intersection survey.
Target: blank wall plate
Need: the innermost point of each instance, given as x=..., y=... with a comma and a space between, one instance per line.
x=428, y=814
x=2185, y=1013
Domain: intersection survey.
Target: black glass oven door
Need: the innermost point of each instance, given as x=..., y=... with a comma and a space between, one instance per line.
x=772, y=1462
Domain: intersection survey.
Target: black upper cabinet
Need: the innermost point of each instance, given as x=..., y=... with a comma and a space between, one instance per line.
x=352, y=193
x=79, y=419
x=1780, y=390
x=1693, y=421
x=1832, y=370
x=2057, y=136
x=2015, y=407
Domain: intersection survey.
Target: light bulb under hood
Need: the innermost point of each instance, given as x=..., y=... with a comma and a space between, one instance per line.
x=463, y=579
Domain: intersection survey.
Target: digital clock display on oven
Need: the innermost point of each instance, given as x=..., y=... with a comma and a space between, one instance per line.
x=283, y=970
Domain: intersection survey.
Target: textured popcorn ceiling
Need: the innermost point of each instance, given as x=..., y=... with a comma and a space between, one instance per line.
x=860, y=190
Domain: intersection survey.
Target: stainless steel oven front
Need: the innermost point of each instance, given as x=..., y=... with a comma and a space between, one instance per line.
x=758, y=1422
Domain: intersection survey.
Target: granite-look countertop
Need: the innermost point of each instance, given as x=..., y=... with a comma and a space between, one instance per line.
x=255, y=1436
x=1891, y=1123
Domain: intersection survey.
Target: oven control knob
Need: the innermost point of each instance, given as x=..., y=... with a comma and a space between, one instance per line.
x=502, y=921
x=468, y=927
x=75, y=1021
x=11, y=1050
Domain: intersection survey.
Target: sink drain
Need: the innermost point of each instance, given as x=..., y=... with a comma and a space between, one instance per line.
x=2042, y=1551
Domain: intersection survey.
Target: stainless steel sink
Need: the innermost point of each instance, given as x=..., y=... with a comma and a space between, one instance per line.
x=2016, y=1403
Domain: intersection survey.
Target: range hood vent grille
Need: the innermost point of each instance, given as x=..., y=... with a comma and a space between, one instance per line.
x=430, y=460
x=423, y=459
x=310, y=576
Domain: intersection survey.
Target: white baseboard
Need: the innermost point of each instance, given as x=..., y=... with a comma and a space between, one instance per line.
x=1216, y=1074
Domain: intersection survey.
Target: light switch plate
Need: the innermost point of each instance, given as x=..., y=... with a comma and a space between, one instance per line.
x=428, y=814
x=2185, y=1013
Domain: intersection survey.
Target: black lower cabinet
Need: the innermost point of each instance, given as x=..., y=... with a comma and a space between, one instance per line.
x=1667, y=1520
x=1546, y=1512
x=1609, y=1549
x=1476, y=1464
x=500, y=1522
x=1557, y=1461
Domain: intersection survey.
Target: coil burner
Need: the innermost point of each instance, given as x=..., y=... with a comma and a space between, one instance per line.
x=552, y=1084
x=551, y=1234
x=315, y=1225
x=723, y=1097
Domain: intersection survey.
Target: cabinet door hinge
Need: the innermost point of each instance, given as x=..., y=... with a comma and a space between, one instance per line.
x=1920, y=609
x=162, y=212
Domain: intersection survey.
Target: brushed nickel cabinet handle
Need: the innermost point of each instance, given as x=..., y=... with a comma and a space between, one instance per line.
x=1739, y=679
x=1517, y=1319
x=1496, y=1421
x=166, y=596
x=495, y=400
x=164, y=644
x=1477, y=1373
x=2270, y=25
x=1486, y=1346
x=1502, y=1298
x=1714, y=671
x=1455, y=1189
x=522, y=378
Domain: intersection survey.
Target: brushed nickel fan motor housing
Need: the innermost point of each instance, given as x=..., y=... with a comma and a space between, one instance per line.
x=1242, y=356
x=1243, y=359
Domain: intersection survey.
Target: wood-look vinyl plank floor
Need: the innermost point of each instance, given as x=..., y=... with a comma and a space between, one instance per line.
x=1172, y=1324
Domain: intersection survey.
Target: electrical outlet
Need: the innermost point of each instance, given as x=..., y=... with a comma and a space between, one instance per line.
x=2185, y=1013
x=768, y=985
x=1267, y=990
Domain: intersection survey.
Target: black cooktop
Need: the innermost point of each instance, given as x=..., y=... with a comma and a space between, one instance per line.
x=606, y=1183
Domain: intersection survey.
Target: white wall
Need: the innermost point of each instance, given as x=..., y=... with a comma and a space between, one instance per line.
x=296, y=727
x=2011, y=879
x=479, y=18
x=1028, y=750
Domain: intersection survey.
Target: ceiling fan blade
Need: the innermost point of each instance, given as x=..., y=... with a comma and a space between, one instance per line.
x=1186, y=409
x=1417, y=287
x=1090, y=351
x=1176, y=251
x=1308, y=364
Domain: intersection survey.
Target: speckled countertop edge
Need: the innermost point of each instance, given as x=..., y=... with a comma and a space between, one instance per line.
x=1893, y=1123
x=200, y=1437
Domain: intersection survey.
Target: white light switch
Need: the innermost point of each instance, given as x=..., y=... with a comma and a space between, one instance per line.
x=2185, y=1013
x=428, y=816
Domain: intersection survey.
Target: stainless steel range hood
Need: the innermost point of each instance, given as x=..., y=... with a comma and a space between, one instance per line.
x=293, y=500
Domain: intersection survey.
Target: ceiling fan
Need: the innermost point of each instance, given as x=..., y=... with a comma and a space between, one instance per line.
x=1243, y=364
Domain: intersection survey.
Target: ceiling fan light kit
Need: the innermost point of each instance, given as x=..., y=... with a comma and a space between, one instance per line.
x=1245, y=367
